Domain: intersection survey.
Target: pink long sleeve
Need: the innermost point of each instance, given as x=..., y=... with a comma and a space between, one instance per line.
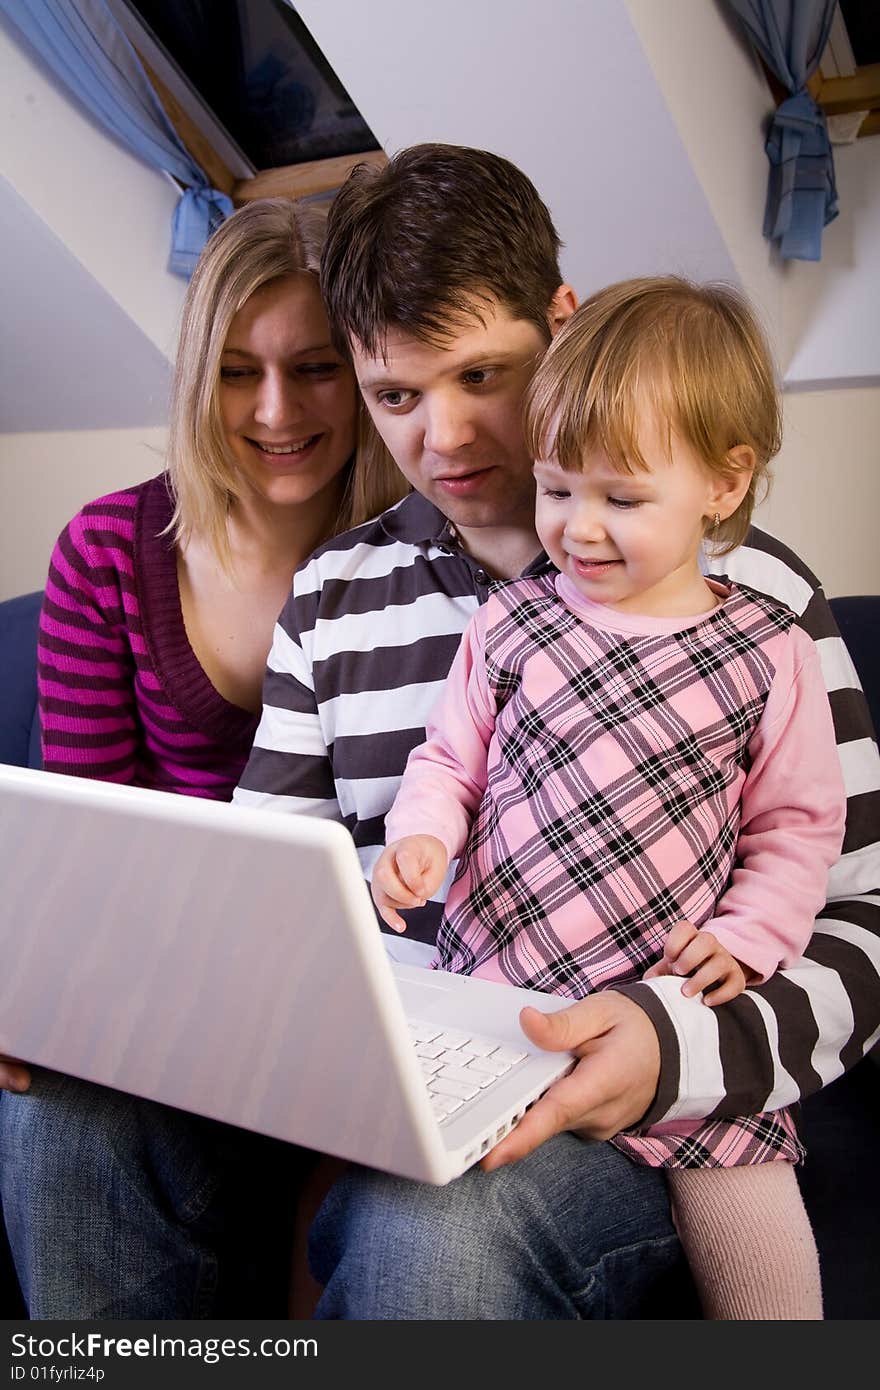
x=793, y=813
x=446, y=776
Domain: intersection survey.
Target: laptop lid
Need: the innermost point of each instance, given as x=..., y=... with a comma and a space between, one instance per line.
x=227, y=961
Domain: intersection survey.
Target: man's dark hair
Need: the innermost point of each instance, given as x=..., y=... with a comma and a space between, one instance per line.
x=414, y=244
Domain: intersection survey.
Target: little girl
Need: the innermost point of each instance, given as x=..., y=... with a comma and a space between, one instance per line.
x=635, y=763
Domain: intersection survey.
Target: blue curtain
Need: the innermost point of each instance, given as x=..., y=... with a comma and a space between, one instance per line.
x=82, y=45
x=790, y=36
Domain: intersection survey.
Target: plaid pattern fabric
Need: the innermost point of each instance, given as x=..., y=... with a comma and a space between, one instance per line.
x=612, y=808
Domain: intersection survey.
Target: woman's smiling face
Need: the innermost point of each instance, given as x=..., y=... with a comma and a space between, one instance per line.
x=288, y=401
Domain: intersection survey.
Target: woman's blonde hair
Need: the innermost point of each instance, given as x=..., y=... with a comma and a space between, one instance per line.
x=264, y=241
x=699, y=354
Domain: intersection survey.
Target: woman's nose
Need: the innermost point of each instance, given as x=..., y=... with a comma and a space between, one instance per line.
x=278, y=402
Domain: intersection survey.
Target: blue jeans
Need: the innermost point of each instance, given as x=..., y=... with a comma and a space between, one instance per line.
x=575, y=1230
x=118, y=1207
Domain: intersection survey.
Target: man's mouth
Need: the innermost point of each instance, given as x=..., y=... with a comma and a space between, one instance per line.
x=459, y=484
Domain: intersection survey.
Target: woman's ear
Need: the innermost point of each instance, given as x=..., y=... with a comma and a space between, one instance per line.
x=728, y=489
x=561, y=307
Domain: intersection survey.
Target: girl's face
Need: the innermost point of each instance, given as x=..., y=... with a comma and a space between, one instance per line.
x=287, y=399
x=632, y=541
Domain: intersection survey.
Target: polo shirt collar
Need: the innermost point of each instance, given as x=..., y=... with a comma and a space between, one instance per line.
x=416, y=521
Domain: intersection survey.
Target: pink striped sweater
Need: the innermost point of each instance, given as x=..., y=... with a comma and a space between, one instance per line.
x=121, y=693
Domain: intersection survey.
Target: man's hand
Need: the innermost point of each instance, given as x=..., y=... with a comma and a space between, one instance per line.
x=14, y=1075
x=613, y=1082
x=407, y=872
x=708, y=966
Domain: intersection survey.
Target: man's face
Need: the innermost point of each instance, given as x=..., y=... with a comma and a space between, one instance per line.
x=451, y=416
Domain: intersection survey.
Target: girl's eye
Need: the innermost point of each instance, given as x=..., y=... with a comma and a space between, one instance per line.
x=235, y=373
x=556, y=495
x=479, y=376
x=395, y=399
x=625, y=504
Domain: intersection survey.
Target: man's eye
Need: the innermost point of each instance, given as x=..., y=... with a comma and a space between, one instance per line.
x=395, y=399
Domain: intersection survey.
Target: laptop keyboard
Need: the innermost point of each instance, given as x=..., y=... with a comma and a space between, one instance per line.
x=459, y=1066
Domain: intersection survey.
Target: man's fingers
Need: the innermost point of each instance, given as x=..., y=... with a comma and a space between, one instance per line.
x=548, y=1116
x=14, y=1075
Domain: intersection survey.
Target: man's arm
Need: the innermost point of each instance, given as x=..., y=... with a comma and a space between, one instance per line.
x=783, y=1040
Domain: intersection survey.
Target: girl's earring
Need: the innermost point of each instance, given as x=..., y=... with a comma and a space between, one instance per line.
x=716, y=522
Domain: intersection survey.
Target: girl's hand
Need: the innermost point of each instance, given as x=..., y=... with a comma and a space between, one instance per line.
x=700, y=956
x=407, y=873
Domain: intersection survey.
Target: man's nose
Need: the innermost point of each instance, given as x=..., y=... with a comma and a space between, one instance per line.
x=448, y=427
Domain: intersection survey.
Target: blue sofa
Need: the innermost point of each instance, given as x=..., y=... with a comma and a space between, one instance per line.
x=841, y=1123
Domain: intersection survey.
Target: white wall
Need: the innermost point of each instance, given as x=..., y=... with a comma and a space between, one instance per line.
x=110, y=211
x=46, y=478
x=825, y=498
x=561, y=87
x=824, y=317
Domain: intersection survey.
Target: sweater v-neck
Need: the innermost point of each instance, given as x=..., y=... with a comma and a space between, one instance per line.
x=176, y=664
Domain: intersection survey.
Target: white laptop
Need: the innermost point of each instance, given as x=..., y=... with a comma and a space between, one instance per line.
x=227, y=961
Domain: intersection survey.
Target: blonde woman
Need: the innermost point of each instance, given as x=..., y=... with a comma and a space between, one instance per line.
x=167, y=592
x=157, y=621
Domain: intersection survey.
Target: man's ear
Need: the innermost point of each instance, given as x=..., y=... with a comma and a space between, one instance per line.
x=562, y=306
x=729, y=488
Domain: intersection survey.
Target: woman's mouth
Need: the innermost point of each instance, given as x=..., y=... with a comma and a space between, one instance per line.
x=291, y=452
x=292, y=449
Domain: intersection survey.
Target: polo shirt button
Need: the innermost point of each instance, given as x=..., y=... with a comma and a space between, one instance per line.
x=481, y=577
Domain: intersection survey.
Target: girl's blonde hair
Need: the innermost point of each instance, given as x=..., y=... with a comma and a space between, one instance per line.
x=698, y=353
x=261, y=242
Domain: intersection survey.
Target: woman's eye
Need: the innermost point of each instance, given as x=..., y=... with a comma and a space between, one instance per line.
x=235, y=373
x=395, y=399
x=320, y=369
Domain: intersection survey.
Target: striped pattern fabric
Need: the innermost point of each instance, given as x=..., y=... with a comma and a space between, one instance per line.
x=359, y=655
x=122, y=696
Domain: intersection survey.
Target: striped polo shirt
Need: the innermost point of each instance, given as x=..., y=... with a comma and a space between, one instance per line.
x=359, y=654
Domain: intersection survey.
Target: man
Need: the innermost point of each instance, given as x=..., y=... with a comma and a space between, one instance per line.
x=442, y=283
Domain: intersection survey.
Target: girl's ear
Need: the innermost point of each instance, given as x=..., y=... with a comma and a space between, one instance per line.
x=728, y=489
x=562, y=306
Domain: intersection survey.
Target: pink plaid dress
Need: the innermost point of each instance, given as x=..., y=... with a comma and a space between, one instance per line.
x=612, y=811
